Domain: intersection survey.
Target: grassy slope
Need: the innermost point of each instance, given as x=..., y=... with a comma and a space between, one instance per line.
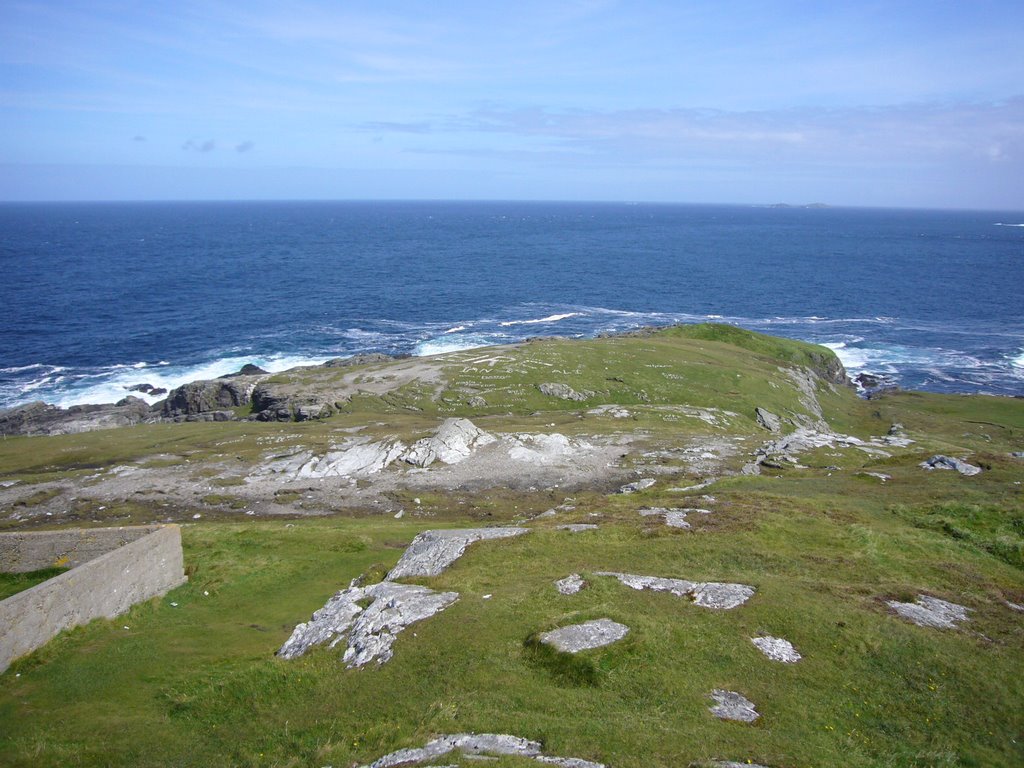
x=197, y=684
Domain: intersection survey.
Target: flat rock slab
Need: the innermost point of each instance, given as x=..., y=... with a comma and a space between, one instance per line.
x=433, y=551
x=582, y=637
x=674, y=517
x=477, y=744
x=571, y=584
x=577, y=527
x=930, y=612
x=370, y=631
x=777, y=649
x=949, y=462
x=717, y=595
x=638, y=485
x=730, y=705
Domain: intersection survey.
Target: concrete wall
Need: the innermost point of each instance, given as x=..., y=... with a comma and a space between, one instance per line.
x=109, y=585
x=21, y=552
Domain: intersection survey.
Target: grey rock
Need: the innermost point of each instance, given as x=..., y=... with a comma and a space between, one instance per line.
x=674, y=517
x=367, y=359
x=371, y=631
x=204, y=396
x=312, y=411
x=896, y=429
x=39, y=418
x=571, y=584
x=454, y=441
x=929, y=611
x=476, y=402
x=730, y=764
x=768, y=420
x=563, y=391
x=777, y=649
x=433, y=551
x=879, y=475
x=638, y=485
x=948, y=462
x=477, y=744
x=719, y=596
x=577, y=527
x=1017, y=454
x=730, y=705
x=583, y=637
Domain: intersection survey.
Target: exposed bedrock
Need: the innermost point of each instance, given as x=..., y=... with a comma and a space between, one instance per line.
x=433, y=551
x=477, y=745
x=40, y=418
x=717, y=595
x=205, y=396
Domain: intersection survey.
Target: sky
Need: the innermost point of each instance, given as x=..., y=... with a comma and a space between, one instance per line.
x=895, y=103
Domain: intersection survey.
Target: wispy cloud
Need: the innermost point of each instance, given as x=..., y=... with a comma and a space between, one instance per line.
x=199, y=146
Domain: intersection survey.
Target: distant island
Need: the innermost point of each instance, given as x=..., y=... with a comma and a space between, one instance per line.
x=808, y=205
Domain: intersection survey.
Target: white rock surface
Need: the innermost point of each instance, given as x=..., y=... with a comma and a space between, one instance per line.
x=433, y=551
x=577, y=527
x=929, y=611
x=949, y=462
x=582, y=637
x=777, y=649
x=477, y=744
x=720, y=596
x=730, y=705
x=454, y=441
x=674, y=517
x=571, y=584
x=371, y=631
x=543, y=449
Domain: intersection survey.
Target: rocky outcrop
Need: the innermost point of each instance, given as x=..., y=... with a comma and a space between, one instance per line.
x=929, y=611
x=455, y=440
x=40, y=418
x=730, y=705
x=433, y=551
x=481, y=746
x=949, y=462
x=717, y=595
x=367, y=359
x=777, y=649
x=271, y=402
x=570, y=585
x=370, y=631
x=768, y=420
x=206, y=396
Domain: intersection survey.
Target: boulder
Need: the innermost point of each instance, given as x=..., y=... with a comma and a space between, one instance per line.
x=563, y=391
x=777, y=649
x=730, y=705
x=768, y=420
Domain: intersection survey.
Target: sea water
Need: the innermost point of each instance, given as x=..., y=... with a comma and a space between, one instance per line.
x=96, y=298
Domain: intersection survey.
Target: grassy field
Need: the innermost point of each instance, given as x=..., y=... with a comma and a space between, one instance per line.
x=191, y=679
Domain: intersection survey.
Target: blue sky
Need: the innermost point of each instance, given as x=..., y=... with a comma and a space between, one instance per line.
x=916, y=104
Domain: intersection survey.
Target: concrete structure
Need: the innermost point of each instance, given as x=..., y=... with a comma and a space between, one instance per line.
x=127, y=566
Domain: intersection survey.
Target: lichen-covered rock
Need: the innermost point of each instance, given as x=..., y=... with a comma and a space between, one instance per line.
x=571, y=584
x=929, y=611
x=213, y=395
x=730, y=705
x=370, y=631
x=454, y=441
x=583, y=637
x=433, y=551
x=777, y=649
x=477, y=744
x=716, y=595
x=949, y=462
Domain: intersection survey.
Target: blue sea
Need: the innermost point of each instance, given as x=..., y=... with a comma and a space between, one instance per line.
x=99, y=297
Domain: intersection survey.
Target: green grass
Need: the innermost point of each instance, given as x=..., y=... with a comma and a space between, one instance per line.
x=197, y=683
x=13, y=583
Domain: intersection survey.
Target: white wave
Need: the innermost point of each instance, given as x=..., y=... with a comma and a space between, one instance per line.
x=1018, y=362
x=548, y=319
x=115, y=383
x=32, y=367
x=451, y=344
x=456, y=329
x=1000, y=224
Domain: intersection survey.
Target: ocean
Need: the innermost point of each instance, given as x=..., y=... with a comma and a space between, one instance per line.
x=98, y=297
